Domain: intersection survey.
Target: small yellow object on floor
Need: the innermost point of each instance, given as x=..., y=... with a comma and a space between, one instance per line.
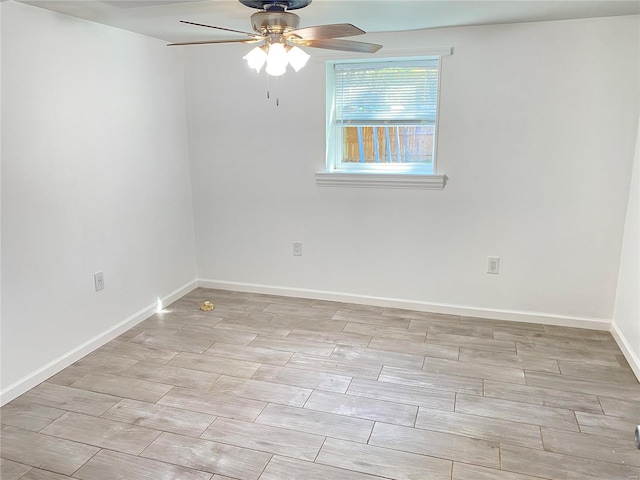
x=207, y=306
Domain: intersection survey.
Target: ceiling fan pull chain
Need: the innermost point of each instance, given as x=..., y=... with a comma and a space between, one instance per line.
x=268, y=92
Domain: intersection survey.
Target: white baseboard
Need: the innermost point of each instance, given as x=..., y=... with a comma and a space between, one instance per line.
x=21, y=386
x=469, y=311
x=627, y=351
x=63, y=361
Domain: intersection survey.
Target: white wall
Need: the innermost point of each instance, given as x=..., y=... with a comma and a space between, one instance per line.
x=95, y=177
x=626, y=319
x=538, y=125
x=537, y=130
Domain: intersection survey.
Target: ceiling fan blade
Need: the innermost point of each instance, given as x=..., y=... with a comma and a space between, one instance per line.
x=221, y=28
x=344, y=45
x=326, y=31
x=207, y=42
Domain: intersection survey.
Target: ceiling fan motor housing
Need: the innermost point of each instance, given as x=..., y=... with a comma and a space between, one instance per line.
x=269, y=23
x=275, y=5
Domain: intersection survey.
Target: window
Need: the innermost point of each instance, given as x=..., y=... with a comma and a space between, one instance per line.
x=382, y=119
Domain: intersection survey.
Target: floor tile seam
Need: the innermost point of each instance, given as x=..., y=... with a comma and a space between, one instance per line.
x=327, y=436
x=279, y=427
x=76, y=442
x=295, y=367
x=135, y=378
x=462, y=336
x=524, y=358
x=361, y=471
x=502, y=470
x=409, y=403
x=263, y=468
x=367, y=444
x=624, y=382
x=178, y=465
x=213, y=393
x=540, y=351
x=140, y=359
x=432, y=341
x=600, y=364
x=534, y=423
x=393, y=402
x=501, y=441
x=187, y=437
x=40, y=431
x=373, y=324
x=455, y=375
x=525, y=404
x=599, y=460
x=481, y=348
x=211, y=356
x=258, y=380
x=181, y=350
x=578, y=458
x=29, y=466
x=580, y=379
x=174, y=385
x=16, y=402
x=436, y=388
x=614, y=416
x=229, y=444
x=155, y=430
x=367, y=363
x=102, y=416
x=381, y=349
x=402, y=356
x=317, y=344
x=467, y=364
x=35, y=402
x=92, y=457
x=550, y=388
x=321, y=446
x=249, y=348
x=492, y=444
x=262, y=401
x=364, y=418
x=88, y=389
x=604, y=438
x=345, y=469
x=338, y=364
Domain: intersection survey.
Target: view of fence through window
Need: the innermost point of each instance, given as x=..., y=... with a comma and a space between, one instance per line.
x=388, y=144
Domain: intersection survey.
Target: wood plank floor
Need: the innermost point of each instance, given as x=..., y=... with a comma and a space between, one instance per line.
x=277, y=388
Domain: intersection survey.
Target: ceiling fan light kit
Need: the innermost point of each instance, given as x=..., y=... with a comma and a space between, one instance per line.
x=281, y=37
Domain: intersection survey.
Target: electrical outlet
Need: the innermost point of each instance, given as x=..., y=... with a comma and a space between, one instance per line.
x=98, y=280
x=297, y=249
x=493, y=265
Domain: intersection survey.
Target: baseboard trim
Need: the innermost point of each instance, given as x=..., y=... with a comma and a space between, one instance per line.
x=627, y=351
x=469, y=311
x=63, y=361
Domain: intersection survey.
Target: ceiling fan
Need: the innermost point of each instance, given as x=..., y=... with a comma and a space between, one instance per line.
x=278, y=30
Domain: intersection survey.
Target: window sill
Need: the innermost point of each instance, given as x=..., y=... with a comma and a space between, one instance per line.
x=381, y=180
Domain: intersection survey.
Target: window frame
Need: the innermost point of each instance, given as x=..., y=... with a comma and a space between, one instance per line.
x=378, y=174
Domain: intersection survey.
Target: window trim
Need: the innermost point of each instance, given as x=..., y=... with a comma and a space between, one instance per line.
x=432, y=181
x=384, y=176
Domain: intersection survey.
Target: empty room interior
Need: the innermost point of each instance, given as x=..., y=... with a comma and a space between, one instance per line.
x=421, y=248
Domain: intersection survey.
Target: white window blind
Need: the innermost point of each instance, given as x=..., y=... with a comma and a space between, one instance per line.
x=399, y=93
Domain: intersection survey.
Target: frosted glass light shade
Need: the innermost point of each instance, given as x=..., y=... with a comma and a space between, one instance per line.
x=297, y=58
x=256, y=58
x=276, y=60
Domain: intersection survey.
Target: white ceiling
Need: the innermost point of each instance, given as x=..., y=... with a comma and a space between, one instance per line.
x=160, y=18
